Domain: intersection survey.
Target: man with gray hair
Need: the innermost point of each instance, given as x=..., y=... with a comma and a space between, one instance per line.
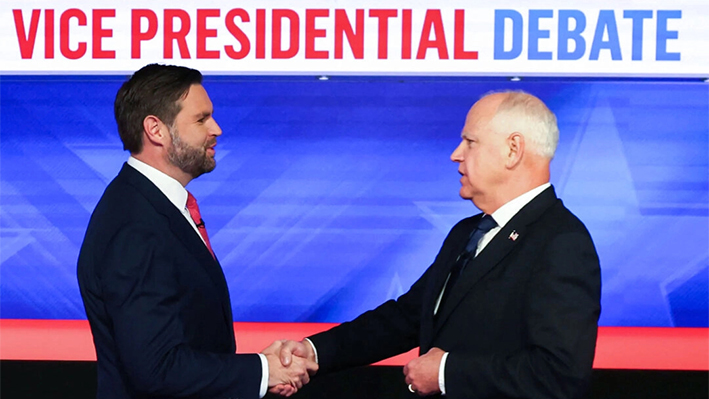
x=509, y=308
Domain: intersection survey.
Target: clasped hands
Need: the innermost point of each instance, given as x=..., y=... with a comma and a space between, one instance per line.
x=291, y=364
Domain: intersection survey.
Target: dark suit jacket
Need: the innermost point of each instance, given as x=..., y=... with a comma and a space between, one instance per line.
x=157, y=301
x=521, y=322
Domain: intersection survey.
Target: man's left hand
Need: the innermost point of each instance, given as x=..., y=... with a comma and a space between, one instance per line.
x=422, y=372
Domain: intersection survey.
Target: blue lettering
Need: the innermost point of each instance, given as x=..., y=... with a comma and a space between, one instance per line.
x=637, y=16
x=517, y=26
x=565, y=34
x=606, y=21
x=535, y=34
x=663, y=35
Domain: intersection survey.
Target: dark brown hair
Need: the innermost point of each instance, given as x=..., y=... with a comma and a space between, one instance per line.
x=153, y=90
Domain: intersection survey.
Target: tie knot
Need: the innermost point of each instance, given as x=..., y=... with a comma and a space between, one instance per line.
x=193, y=208
x=486, y=224
x=191, y=201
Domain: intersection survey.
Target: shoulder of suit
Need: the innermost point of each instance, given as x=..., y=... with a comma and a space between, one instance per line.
x=560, y=219
x=121, y=200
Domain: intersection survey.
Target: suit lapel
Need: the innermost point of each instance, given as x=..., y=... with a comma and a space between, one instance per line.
x=194, y=244
x=440, y=278
x=496, y=250
x=439, y=274
x=181, y=228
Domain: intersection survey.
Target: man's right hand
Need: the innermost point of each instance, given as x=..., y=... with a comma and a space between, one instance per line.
x=286, y=377
x=289, y=349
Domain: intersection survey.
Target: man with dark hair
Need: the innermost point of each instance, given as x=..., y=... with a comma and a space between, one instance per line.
x=157, y=88
x=509, y=308
x=154, y=292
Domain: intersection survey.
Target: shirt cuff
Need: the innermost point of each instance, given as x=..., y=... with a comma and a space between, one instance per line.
x=442, y=374
x=315, y=351
x=264, y=376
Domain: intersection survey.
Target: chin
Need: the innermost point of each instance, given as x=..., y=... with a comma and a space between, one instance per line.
x=464, y=194
x=210, y=167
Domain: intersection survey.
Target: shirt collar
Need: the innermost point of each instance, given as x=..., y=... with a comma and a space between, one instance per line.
x=506, y=212
x=171, y=188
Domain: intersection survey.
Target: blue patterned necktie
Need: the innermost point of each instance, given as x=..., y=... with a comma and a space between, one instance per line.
x=486, y=224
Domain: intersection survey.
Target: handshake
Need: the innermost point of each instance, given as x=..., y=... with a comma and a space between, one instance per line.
x=290, y=365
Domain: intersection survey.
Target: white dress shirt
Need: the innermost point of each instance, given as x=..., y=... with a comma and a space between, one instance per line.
x=502, y=215
x=177, y=194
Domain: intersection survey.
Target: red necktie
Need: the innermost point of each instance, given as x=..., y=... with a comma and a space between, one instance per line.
x=197, y=218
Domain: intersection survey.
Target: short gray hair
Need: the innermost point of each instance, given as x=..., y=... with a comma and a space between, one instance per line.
x=524, y=113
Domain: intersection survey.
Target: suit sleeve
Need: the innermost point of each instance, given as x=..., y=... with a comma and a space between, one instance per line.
x=390, y=329
x=561, y=323
x=143, y=299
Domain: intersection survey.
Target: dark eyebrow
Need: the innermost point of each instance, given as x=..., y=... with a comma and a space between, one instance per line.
x=203, y=115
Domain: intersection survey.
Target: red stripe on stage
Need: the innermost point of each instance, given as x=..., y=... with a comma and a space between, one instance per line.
x=617, y=347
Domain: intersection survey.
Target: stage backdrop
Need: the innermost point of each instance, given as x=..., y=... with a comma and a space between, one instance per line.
x=331, y=197
x=334, y=189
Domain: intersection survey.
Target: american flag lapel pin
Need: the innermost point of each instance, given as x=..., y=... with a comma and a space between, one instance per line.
x=513, y=235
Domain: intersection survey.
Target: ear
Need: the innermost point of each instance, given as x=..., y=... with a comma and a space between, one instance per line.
x=155, y=130
x=515, y=147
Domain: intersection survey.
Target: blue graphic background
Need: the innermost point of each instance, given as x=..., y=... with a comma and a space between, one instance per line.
x=331, y=197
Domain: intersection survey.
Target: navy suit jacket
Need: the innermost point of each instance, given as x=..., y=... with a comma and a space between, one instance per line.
x=521, y=322
x=157, y=301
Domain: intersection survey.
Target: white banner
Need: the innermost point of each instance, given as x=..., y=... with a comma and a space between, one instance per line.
x=445, y=37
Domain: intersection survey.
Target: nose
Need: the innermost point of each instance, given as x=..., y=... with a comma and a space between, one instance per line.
x=457, y=155
x=215, y=130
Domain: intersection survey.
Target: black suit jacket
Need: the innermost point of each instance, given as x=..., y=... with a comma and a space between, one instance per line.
x=521, y=322
x=157, y=301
